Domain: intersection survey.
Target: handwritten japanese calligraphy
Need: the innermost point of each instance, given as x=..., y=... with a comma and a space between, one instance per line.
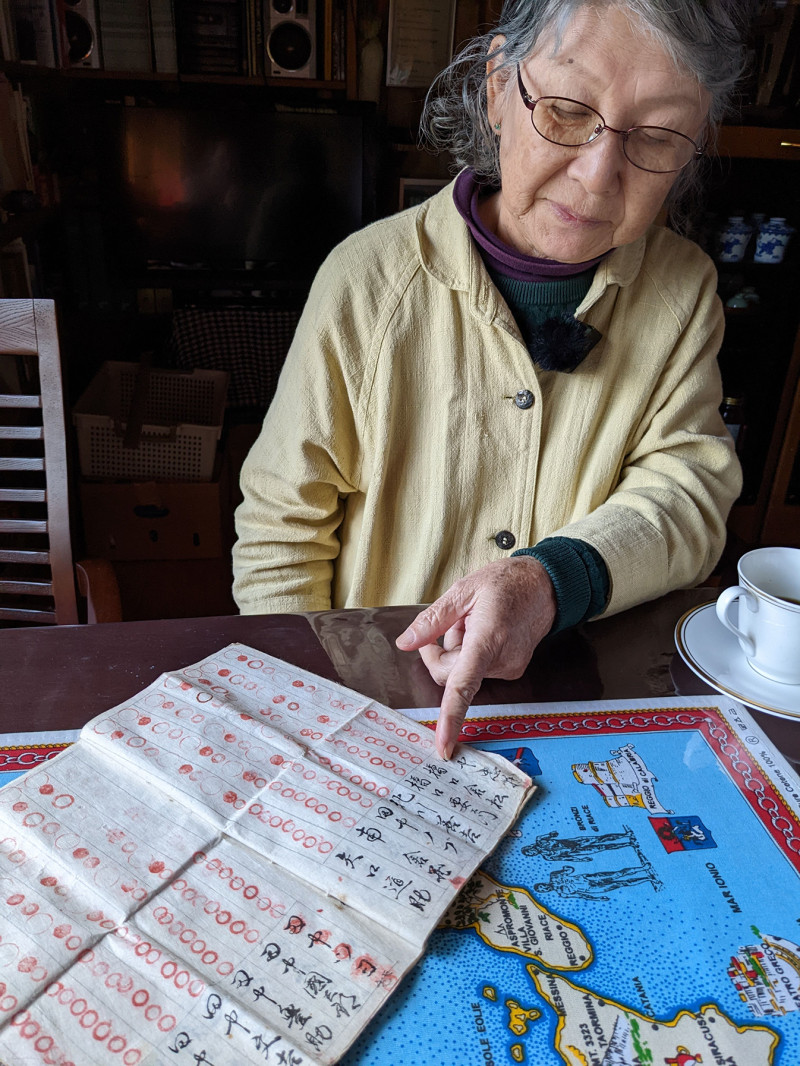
x=237, y=865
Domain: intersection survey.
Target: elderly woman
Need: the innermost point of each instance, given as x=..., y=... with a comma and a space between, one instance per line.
x=506, y=400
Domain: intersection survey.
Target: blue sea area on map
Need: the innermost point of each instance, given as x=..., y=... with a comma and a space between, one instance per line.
x=660, y=946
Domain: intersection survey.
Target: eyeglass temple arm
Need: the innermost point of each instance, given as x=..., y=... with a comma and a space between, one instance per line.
x=526, y=97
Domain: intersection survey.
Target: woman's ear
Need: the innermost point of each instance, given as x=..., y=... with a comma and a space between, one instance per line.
x=495, y=80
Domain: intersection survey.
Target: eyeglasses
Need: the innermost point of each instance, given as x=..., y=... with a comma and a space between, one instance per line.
x=572, y=124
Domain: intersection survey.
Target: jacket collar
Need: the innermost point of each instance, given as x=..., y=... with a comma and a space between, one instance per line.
x=449, y=255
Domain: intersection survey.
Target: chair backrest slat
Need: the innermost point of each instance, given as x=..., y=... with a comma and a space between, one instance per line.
x=23, y=525
x=20, y=400
x=21, y=464
x=28, y=329
x=23, y=495
x=27, y=614
x=21, y=433
x=27, y=588
x=15, y=555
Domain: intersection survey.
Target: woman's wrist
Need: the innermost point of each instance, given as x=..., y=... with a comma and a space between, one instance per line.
x=579, y=577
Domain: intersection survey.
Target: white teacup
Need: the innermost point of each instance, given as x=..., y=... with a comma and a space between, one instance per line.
x=768, y=594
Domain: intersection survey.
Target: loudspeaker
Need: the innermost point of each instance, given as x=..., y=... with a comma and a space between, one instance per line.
x=291, y=39
x=80, y=39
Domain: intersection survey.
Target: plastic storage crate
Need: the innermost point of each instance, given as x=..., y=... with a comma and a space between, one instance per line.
x=181, y=418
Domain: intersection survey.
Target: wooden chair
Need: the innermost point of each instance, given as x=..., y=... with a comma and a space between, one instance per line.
x=38, y=581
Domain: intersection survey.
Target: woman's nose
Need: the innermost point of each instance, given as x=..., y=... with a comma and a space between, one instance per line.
x=599, y=164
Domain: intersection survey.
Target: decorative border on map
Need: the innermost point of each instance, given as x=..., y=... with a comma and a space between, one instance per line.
x=17, y=758
x=755, y=785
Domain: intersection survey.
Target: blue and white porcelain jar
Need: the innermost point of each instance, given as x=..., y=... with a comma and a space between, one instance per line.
x=733, y=240
x=771, y=242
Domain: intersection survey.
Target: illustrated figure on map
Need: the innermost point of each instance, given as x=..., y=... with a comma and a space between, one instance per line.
x=578, y=849
x=683, y=1057
x=686, y=830
x=593, y=885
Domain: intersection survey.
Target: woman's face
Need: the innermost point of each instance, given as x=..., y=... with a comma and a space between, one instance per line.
x=572, y=204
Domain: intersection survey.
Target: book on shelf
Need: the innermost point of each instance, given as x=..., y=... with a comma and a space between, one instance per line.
x=125, y=35
x=35, y=34
x=210, y=36
x=162, y=28
x=60, y=32
x=338, y=40
x=325, y=36
x=254, y=37
x=8, y=49
x=16, y=278
x=16, y=166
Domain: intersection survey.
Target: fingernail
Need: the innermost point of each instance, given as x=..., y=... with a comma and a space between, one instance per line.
x=447, y=755
x=405, y=638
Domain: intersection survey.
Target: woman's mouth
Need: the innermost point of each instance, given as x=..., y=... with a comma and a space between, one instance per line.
x=570, y=217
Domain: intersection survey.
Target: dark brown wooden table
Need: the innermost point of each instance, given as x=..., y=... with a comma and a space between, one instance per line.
x=58, y=677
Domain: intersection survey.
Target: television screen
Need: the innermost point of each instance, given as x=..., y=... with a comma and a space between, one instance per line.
x=241, y=189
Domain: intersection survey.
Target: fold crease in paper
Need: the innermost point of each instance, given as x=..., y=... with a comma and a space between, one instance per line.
x=238, y=865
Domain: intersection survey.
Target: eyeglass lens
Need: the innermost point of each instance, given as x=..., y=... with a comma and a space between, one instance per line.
x=571, y=124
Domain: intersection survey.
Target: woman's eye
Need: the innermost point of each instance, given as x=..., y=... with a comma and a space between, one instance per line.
x=654, y=135
x=570, y=114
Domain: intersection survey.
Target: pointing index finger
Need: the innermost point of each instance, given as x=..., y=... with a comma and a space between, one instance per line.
x=461, y=688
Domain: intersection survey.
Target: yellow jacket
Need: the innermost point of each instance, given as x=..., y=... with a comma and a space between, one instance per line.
x=394, y=451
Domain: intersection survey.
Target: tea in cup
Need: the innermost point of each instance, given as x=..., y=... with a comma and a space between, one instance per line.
x=768, y=595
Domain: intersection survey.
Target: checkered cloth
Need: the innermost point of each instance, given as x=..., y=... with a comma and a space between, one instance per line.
x=250, y=345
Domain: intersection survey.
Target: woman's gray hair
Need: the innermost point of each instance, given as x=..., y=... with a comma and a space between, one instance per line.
x=703, y=37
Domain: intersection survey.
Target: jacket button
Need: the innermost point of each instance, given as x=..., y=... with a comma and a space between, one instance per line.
x=504, y=539
x=524, y=399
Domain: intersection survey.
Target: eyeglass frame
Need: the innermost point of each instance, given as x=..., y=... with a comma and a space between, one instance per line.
x=530, y=103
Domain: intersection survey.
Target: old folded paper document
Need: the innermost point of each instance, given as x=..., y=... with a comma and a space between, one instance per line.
x=238, y=865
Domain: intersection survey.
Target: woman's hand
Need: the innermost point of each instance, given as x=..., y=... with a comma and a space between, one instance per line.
x=490, y=622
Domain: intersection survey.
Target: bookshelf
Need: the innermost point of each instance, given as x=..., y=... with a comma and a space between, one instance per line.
x=239, y=40
x=758, y=170
x=782, y=516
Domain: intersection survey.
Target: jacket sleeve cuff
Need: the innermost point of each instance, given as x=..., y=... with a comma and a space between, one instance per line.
x=579, y=576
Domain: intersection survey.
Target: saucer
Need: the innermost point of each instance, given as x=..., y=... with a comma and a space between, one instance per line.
x=713, y=653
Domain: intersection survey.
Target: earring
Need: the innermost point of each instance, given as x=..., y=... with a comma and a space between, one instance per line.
x=497, y=126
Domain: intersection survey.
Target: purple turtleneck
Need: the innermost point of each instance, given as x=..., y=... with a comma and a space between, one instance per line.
x=501, y=257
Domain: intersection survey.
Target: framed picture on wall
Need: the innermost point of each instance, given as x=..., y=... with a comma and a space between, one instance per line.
x=420, y=41
x=414, y=190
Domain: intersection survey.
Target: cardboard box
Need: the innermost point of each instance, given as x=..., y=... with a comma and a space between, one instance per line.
x=154, y=519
